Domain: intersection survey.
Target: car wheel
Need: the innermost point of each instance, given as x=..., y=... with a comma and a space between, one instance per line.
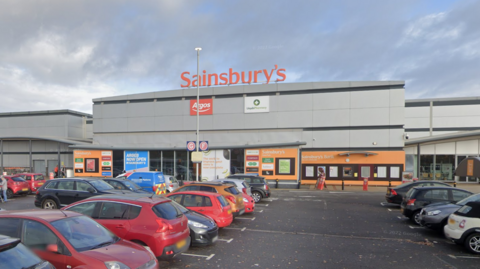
x=9, y=193
x=49, y=204
x=472, y=243
x=416, y=217
x=257, y=196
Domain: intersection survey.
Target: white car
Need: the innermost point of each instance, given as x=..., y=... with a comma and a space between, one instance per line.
x=463, y=227
x=171, y=182
x=241, y=184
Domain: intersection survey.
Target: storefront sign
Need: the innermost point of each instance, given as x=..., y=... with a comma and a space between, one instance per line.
x=252, y=152
x=469, y=168
x=234, y=77
x=79, y=160
x=136, y=161
x=106, y=158
x=215, y=164
x=257, y=104
x=79, y=165
x=252, y=158
x=252, y=169
x=252, y=164
x=268, y=166
x=90, y=163
x=267, y=160
x=324, y=157
x=205, y=107
x=273, y=163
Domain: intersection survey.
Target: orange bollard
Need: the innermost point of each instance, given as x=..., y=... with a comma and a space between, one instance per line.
x=365, y=184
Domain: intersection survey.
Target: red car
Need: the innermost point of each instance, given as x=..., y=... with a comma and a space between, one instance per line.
x=71, y=240
x=35, y=180
x=249, y=203
x=210, y=204
x=16, y=186
x=149, y=221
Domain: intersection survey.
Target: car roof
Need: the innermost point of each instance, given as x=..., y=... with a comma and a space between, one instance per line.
x=29, y=174
x=40, y=214
x=206, y=193
x=130, y=197
x=438, y=188
x=229, y=179
x=6, y=240
x=80, y=178
x=209, y=183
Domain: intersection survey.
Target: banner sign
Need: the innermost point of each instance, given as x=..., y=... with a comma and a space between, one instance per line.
x=215, y=164
x=257, y=104
x=137, y=161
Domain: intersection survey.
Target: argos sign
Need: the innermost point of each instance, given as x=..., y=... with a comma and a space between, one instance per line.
x=205, y=107
x=231, y=77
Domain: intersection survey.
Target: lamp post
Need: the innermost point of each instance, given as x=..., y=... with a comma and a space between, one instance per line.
x=198, y=102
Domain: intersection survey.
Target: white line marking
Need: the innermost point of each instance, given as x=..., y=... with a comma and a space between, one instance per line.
x=399, y=217
x=339, y=192
x=228, y=241
x=232, y=228
x=411, y=227
x=246, y=218
x=307, y=196
x=209, y=257
x=244, y=228
x=196, y=255
x=261, y=204
x=259, y=211
x=453, y=257
x=464, y=257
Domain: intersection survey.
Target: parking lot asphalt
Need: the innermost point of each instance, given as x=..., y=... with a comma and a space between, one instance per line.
x=320, y=229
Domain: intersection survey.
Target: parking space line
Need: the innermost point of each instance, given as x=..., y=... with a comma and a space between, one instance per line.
x=419, y=227
x=228, y=241
x=233, y=228
x=196, y=255
x=246, y=218
x=259, y=211
x=463, y=257
x=261, y=204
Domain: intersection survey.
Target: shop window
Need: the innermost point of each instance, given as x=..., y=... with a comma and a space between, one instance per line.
x=155, y=160
x=118, y=162
x=285, y=166
x=309, y=171
x=365, y=171
x=394, y=172
x=426, y=162
x=333, y=171
x=168, y=163
x=444, y=166
x=181, y=167
x=381, y=172
x=237, y=161
x=347, y=171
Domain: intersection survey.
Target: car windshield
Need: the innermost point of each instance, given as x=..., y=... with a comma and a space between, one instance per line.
x=471, y=198
x=180, y=207
x=131, y=185
x=405, y=184
x=39, y=177
x=22, y=176
x=232, y=190
x=18, y=256
x=101, y=185
x=83, y=233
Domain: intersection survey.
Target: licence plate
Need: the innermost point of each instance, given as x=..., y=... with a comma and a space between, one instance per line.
x=25, y=189
x=229, y=212
x=40, y=184
x=215, y=238
x=401, y=210
x=451, y=221
x=181, y=243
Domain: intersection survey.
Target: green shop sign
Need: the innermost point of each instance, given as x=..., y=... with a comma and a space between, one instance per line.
x=79, y=160
x=267, y=160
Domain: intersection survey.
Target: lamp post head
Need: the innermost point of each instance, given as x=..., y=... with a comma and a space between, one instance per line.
x=197, y=49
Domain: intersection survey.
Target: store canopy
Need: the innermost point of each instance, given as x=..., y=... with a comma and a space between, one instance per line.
x=470, y=167
x=366, y=153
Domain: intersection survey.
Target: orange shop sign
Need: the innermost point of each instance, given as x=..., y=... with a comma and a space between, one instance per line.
x=234, y=77
x=205, y=107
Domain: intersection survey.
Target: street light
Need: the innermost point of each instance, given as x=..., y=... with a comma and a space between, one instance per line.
x=198, y=102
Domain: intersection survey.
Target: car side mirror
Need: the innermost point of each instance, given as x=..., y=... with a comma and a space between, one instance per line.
x=91, y=190
x=52, y=248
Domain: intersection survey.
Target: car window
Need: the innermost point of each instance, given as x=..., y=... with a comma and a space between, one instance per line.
x=438, y=184
x=101, y=185
x=173, y=180
x=471, y=198
x=23, y=176
x=245, y=185
x=10, y=227
x=115, y=184
x=222, y=201
x=207, y=188
x=232, y=190
x=436, y=195
x=51, y=185
x=83, y=186
x=193, y=200
x=257, y=180
x=39, y=177
x=18, y=179
x=207, y=201
x=167, y=211
x=189, y=188
x=85, y=208
x=459, y=195
x=177, y=198
x=65, y=185
x=131, y=185
x=110, y=210
x=247, y=179
x=38, y=236
x=18, y=257
x=133, y=212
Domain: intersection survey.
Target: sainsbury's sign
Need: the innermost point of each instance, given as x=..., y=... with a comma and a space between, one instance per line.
x=205, y=107
x=234, y=77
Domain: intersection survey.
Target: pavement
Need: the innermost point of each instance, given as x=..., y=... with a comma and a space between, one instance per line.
x=472, y=187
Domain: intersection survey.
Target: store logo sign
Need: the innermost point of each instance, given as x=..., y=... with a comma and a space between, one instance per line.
x=106, y=163
x=252, y=164
x=253, y=152
x=106, y=153
x=205, y=107
x=252, y=158
x=257, y=104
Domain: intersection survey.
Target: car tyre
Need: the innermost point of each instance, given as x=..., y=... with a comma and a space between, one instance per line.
x=257, y=196
x=49, y=204
x=416, y=217
x=9, y=194
x=472, y=243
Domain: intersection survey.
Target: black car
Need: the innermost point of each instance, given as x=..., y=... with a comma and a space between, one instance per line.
x=14, y=255
x=259, y=185
x=395, y=194
x=60, y=192
x=125, y=184
x=419, y=197
x=203, y=229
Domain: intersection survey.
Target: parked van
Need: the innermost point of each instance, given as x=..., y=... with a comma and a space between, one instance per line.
x=150, y=181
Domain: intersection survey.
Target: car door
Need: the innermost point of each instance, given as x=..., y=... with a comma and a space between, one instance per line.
x=82, y=191
x=458, y=195
x=173, y=184
x=113, y=216
x=65, y=192
x=88, y=209
x=193, y=202
x=38, y=180
x=207, y=207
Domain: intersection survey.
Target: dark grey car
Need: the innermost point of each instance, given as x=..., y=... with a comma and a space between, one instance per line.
x=435, y=216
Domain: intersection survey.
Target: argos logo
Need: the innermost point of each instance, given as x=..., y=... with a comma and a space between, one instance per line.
x=205, y=107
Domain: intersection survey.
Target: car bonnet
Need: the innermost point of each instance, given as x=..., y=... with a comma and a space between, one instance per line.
x=128, y=253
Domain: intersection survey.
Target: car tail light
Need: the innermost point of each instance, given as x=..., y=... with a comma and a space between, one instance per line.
x=266, y=187
x=232, y=199
x=171, y=185
x=462, y=224
x=163, y=226
x=411, y=201
x=244, y=190
x=154, y=188
x=394, y=192
x=38, y=191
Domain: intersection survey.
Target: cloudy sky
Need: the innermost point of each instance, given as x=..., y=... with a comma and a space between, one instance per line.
x=57, y=54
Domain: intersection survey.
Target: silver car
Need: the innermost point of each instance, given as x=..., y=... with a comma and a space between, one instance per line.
x=241, y=184
x=171, y=181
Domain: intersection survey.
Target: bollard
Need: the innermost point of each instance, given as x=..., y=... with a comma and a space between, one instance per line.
x=454, y=184
x=343, y=185
x=276, y=184
x=365, y=184
x=389, y=183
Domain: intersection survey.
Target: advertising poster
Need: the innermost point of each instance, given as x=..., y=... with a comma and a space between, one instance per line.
x=284, y=166
x=215, y=164
x=272, y=163
x=92, y=163
x=257, y=104
x=136, y=161
x=321, y=171
x=309, y=171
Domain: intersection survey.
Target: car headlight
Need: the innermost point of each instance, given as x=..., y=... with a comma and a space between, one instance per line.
x=116, y=265
x=245, y=200
x=434, y=213
x=196, y=224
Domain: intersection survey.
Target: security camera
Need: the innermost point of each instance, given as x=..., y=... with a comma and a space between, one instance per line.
x=406, y=136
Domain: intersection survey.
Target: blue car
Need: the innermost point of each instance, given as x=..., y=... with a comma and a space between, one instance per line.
x=150, y=181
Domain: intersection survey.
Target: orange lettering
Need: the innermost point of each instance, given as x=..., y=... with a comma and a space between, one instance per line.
x=210, y=79
x=249, y=77
x=223, y=77
x=186, y=80
x=255, y=73
x=194, y=82
x=237, y=77
x=281, y=74
x=204, y=78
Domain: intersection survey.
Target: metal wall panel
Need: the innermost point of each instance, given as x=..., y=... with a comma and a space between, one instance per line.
x=288, y=103
x=168, y=123
x=397, y=98
x=136, y=110
x=228, y=106
x=115, y=111
x=331, y=139
x=369, y=99
x=369, y=116
x=331, y=117
x=140, y=124
x=445, y=148
x=228, y=121
x=168, y=108
x=294, y=118
x=190, y=122
x=466, y=121
x=115, y=124
x=417, y=123
x=457, y=111
x=397, y=116
x=417, y=112
x=396, y=138
x=367, y=138
x=331, y=100
x=467, y=147
x=260, y=120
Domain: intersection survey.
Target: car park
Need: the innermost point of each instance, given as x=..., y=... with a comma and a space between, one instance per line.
x=35, y=180
x=16, y=186
x=57, y=193
x=435, y=216
x=233, y=196
x=71, y=240
x=464, y=227
x=259, y=186
x=125, y=184
x=419, y=197
x=241, y=184
x=147, y=220
x=150, y=181
x=203, y=229
x=395, y=194
x=14, y=255
x=213, y=205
